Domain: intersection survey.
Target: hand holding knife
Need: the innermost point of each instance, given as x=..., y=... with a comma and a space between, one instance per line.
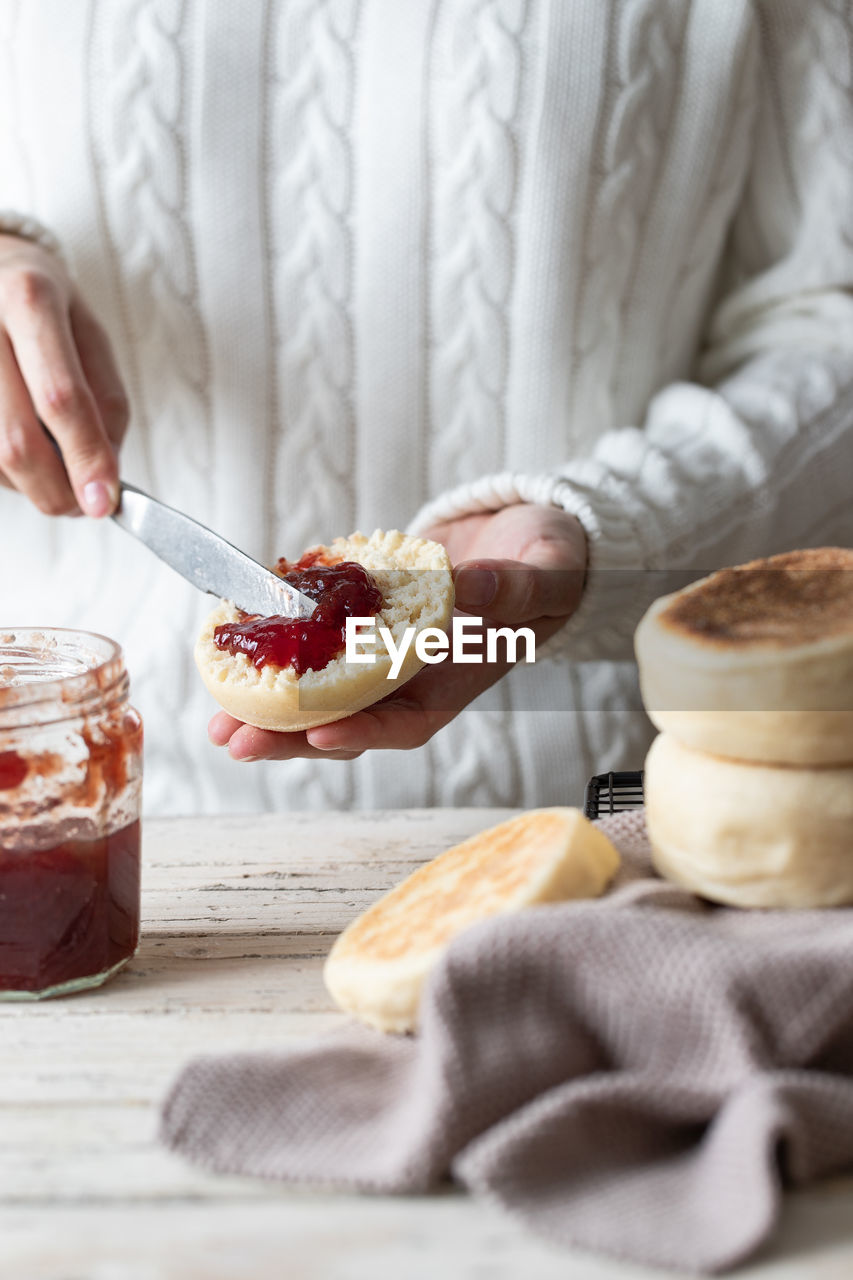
x=203, y=558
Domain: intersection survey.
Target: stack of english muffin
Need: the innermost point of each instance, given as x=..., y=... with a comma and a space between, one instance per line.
x=749, y=676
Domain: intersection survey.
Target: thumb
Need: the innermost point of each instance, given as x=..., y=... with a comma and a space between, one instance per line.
x=515, y=591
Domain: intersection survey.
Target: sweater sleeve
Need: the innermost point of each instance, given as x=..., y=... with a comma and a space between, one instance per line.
x=756, y=455
x=28, y=228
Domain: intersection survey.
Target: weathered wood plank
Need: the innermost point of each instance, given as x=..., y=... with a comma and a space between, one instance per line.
x=298, y=1236
x=327, y=1237
x=238, y=915
x=82, y=1059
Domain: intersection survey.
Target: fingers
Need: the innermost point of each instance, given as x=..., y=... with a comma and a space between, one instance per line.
x=99, y=367
x=511, y=591
x=39, y=330
x=246, y=743
x=27, y=460
x=406, y=720
x=412, y=715
x=398, y=725
x=221, y=727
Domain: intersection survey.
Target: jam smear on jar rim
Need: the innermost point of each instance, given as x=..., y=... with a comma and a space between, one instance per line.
x=342, y=589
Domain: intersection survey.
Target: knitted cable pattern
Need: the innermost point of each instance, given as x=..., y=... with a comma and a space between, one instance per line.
x=138, y=70
x=311, y=95
x=641, y=84
x=714, y=204
x=474, y=759
x=144, y=170
x=827, y=97
x=772, y=438
x=808, y=400
x=707, y=478
x=781, y=419
x=14, y=221
x=477, y=91
x=477, y=95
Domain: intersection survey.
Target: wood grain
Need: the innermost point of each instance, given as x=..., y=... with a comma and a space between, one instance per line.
x=238, y=915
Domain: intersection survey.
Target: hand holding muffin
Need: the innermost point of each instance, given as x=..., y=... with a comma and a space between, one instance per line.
x=522, y=565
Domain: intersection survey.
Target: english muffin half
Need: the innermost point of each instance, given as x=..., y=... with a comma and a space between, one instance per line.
x=414, y=578
x=756, y=662
x=747, y=834
x=377, y=967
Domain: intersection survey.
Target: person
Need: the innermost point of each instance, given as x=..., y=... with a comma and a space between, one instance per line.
x=567, y=286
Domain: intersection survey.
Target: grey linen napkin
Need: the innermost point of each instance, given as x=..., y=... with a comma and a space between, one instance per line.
x=637, y=1076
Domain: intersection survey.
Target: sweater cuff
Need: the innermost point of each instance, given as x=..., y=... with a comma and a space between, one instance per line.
x=28, y=228
x=617, y=588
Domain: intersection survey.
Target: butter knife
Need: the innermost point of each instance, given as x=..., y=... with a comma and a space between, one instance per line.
x=206, y=560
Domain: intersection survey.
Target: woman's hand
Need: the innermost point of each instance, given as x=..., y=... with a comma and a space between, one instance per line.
x=521, y=566
x=56, y=368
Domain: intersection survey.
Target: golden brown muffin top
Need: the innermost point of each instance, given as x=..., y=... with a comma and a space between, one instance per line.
x=786, y=600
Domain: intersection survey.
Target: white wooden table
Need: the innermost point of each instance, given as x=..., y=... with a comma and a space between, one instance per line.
x=237, y=916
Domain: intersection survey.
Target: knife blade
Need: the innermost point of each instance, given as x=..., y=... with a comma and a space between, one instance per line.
x=206, y=560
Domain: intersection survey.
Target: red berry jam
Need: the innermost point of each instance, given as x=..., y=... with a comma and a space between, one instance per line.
x=68, y=911
x=13, y=770
x=343, y=590
x=70, y=778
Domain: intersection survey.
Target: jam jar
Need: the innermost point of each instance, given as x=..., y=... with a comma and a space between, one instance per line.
x=70, y=784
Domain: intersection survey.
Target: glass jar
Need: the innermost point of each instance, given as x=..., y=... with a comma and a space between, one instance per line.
x=70, y=784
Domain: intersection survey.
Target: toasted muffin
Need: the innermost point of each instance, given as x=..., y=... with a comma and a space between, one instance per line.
x=751, y=835
x=377, y=967
x=415, y=579
x=756, y=662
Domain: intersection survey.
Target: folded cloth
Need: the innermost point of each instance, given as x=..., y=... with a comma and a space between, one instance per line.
x=636, y=1075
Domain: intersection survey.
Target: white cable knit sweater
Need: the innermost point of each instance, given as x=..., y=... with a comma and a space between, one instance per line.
x=359, y=256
